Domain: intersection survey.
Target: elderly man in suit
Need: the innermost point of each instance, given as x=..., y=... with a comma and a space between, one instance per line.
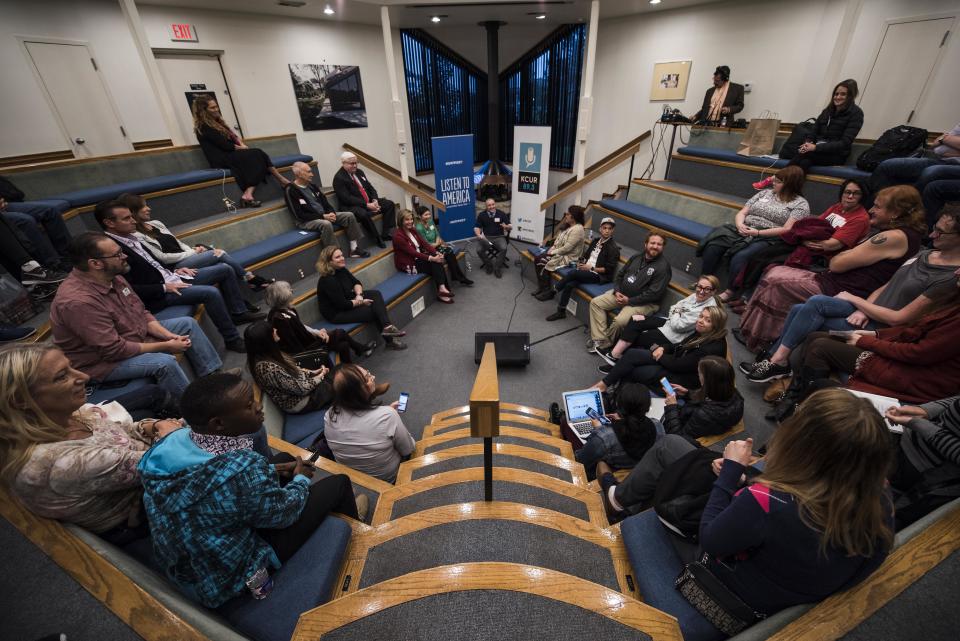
x=723, y=100
x=355, y=193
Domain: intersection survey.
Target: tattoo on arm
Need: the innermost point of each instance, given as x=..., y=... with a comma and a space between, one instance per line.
x=879, y=239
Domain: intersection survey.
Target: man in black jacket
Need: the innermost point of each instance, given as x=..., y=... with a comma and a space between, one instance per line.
x=598, y=266
x=312, y=211
x=158, y=287
x=355, y=193
x=729, y=98
x=637, y=289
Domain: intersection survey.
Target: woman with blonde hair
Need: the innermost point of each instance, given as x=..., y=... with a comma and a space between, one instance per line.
x=342, y=298
x=65, y=459
x=678, y=362
x=224, y=149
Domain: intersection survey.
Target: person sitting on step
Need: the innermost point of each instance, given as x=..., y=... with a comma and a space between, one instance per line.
x=566, y=248
x=681, y=320
x=312, y=211
x=169, y=250
x=220, y=518
x=679, y=363
x=638, y=288
x=713, y=409
x=294, y=337
x=598, y=265
x=427, y=228
x=623, y=443
x=361, y=433
x=343, y=299
x=413, y=254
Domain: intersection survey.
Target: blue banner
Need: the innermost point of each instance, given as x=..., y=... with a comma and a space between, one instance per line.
x=453, y=173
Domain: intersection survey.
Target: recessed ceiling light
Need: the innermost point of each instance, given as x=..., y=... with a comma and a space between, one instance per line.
x=542, y=16
x=327, y=10
x=435, y=19
x=654, y=1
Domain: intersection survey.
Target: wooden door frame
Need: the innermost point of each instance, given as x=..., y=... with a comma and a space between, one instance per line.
x=23, y=40
x=207, y=53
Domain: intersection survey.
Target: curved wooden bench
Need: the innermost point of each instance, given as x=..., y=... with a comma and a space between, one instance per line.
x=409, y=469
x=517, y=436
x=506, y=419
x=532, y=412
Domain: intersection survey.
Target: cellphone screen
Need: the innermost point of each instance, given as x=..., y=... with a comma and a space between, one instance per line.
x=667, y=387
x=597, y=416
x=402, y=403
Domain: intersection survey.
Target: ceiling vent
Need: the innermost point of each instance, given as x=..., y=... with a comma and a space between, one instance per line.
x=291, y=3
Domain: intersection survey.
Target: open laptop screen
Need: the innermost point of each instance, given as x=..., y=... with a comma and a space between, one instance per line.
x=578, y=402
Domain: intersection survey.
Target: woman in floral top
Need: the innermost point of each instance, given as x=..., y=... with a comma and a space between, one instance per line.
x=62, y=458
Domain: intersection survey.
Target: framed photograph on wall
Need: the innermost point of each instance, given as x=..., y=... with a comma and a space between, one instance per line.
x=329, y=96
x=670, y=80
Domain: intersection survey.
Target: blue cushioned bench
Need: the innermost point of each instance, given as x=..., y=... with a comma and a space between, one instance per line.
x=667, y=222
x=727, y=155
x=273, y=246
x=94, y=195
x=303, y=429
x=591, y=289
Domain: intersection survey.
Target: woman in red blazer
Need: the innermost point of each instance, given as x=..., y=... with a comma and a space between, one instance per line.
x=413, y=254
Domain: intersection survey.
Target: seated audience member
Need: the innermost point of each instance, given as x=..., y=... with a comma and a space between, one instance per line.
x=928, y=457
x=293, y=389
x=312, y=210
x=172, y=253
x=713, y=409
x=917, y=363
x=361, y=433
x=492, y=229
x=679, y=363
x=637, y=289
x=788, y=538
x=294, y=337
x=413, y=254
x=897, y=214
x=920, y=172
x=624, y=442
x=44, y=228
x=357, y=194
x=342, y=298
x=62, y=457
x=837, y=126
x=759, y=223
x=431, y=233
x=598, y=265
x=159, y=287
x=106, y=332
x=898, y=302
x=17, y=259
x=644, y=331
x=722, y=101
x=566, y=248
x=936, y=195
x=14, y=333
x=224, y=149
x=219, y=517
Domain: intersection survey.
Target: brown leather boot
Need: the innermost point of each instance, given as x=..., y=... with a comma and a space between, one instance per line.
x=381, y=389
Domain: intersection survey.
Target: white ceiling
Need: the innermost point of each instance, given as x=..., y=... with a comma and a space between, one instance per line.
x=417, y=13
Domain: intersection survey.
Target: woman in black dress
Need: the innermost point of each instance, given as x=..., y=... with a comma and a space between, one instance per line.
x=225, y=150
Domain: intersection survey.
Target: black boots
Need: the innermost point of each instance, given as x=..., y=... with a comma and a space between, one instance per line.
x=798, y=390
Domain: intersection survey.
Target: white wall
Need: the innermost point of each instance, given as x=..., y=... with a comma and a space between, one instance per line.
x=27, y=123
x=257, y=50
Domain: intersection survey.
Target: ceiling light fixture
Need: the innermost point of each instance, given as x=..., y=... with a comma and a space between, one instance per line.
x=542, y=16
x=435, y=19
x=654, y=1
x=327, y=10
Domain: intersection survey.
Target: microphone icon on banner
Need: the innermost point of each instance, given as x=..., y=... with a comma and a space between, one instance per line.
x=531, y=157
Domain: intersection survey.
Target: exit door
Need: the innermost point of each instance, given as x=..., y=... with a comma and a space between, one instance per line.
x=189, y=75
x=71, y=79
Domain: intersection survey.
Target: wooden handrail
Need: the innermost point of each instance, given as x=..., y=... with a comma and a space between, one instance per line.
x=598, y=170
x=596, y=165
x=485, y=396
x=411, y=186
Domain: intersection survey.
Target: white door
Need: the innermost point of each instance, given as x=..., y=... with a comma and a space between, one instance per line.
x=902, y=70
x=70, y=78
x=186, y=76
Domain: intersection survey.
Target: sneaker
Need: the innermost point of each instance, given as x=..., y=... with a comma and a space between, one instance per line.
x=393, y=330
x=560, y=314
x=368, y=349
x=237, y=346
x=597, y=345
x=746, y=366
x=41, y=276
x=363, y=506
x=396, y=345
x=498, y=273
x=359, y=253
x=41, y=293
x=10, y=334
x=763, y=184
x=606, y=368
x=258, y=283
x=767, y=370
x=737, y=334
x=488, y=268
x=607, y=355
x=466, y=281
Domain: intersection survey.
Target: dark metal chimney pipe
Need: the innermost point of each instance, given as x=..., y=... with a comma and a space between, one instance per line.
x=493, y=90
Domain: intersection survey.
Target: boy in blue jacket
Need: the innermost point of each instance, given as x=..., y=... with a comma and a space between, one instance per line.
x=219, y=514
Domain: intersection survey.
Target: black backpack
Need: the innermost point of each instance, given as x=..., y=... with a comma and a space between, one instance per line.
x=683, y=490
x=802, y=132
x=898, y=142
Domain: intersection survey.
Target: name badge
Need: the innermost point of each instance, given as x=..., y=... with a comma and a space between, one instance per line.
x=125, y=291
x=649, y=271
x=496, y=219
x=303, y=202
x=631, y=279
x=836, y=221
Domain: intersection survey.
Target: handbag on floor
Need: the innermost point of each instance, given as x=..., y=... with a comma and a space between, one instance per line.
x=313, y=359
x=714, y=600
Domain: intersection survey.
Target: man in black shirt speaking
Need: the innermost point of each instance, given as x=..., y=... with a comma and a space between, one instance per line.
x=492, y=228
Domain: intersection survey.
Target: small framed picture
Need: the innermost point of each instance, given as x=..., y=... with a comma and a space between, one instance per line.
x=670, y=80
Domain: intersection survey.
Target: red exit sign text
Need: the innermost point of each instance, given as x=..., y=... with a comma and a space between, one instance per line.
x=183, y=33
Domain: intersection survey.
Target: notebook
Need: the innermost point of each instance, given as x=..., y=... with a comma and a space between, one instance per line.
x=882, y=403
x=576, y=404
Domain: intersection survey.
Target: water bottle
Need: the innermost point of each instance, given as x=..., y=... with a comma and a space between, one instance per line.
x=260, y=584
x=466, y=260
x=590, y=235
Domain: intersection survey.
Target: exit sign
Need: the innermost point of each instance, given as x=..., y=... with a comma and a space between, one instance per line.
x=183, y=33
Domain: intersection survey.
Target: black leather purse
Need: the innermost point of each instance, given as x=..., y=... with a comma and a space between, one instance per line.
x=313, y=359
x=714, y=600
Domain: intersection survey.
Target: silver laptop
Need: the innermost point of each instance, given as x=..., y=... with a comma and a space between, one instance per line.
x=576, y=404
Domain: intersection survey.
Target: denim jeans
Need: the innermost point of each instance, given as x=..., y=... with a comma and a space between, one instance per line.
x=223, y=275
x=163, y=368
x=819, y=313
x=739, y=260
x=43, y=227
x=568, y=283
x=208, y=258
x=916, y=171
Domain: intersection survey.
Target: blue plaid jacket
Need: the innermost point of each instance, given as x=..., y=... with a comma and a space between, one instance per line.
x=204, y=511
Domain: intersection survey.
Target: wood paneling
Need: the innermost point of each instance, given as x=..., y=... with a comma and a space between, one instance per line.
x=35, y=159
x=357, y=478
x=152, y=144
x=485, y=396
x=534, y=412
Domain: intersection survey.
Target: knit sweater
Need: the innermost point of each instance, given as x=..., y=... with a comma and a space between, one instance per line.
x=935, y=440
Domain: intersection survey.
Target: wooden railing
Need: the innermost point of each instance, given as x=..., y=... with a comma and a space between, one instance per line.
x=597, y=169
x=485, y=412
x=412, y=186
